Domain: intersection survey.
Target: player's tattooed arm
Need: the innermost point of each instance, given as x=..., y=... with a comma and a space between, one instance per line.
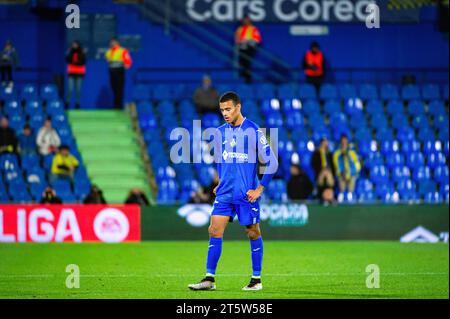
x=254, y=194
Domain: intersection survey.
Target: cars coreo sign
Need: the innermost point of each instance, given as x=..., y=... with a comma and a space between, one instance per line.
x=70, y=223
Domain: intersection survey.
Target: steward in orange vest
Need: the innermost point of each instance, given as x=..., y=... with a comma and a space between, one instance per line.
x=118, y=59
x=247, y=37
x=76, y=69
x=314, y=65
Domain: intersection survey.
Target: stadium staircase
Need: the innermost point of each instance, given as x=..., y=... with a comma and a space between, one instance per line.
x=112, y=156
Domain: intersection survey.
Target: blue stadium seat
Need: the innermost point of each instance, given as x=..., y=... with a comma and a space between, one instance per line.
x=288, y=91
x=421, y=173
x=436, y=107
x=430, y=92
x=49, y=92
x=407, y=190
x=29, y=92
x=363, y=133
x=395, y=159
x=444, y=190
x=17, y=122
x=405, y=134
x=7, y=94
x=432, y=146
x=328, y=91
x=294, y=120
x=320, y=132
x=379, y=174
x=161, y=92
x=347, y=91
x=61, y=186
x=374, y=107
x=436, y=159
x=291, y=105
x=379, y=121
x=54, y=107
x=440, y=121
x=374, y=159
x=426, y=134
x=357, y=121
x=432, y=198
x=264, y=91
x=363, y=185
x=211, y=120
x=307, y=91
x=384, y=191
x=245, y=91
x=426, y=186
x=365, y=147
x=395, y=107
x=299, y=135
x=415, y=160
x=367, y=197
x=389, y=147
x=81, y=189
x=332, y=106
x=368, y=92
x=440, y=174
x=410, y=146
x=420, y=121
x=400, y=173
x=445, y=92
x=36, y=121
x=33, y=107
x=416, y=107
x=389, y=92
x=36, y=190
x=36, y=175
x=311, y=107
x=384, y=134
x=270, y=106
x=410, y=92
x=141, y=92
x=13, y=107
x=399, y=120
x=354, y=106
x=8, y=162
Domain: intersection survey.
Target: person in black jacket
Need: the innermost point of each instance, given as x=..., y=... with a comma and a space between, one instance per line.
x=49, y=197
x=299, y=185
x=8, y=139
x=136, y=196
x=322, y=164
x=95, y=196
x=76, y=69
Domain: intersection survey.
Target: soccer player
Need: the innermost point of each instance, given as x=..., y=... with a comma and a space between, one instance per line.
x=240, y=147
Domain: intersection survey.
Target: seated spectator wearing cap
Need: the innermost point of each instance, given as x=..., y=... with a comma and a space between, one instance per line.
x=63, y=165
x=299, y=186
x=322, y=164
x=27, y=141
x=136, y=196
x=48, y=139
x=206, y=97
x=8, y=139
x=347, y=166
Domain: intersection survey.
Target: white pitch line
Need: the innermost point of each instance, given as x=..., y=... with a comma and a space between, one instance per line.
x=224, y=275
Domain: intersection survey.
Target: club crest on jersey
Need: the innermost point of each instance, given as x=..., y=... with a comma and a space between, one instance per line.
x=233, y=143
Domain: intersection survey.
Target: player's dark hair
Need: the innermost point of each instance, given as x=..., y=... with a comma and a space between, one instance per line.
x=344, y=136
x=230, y=96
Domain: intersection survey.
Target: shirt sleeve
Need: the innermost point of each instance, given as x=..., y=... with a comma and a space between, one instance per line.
x=267, y=158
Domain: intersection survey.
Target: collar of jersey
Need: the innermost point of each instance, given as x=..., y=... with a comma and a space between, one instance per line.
x=239, y=127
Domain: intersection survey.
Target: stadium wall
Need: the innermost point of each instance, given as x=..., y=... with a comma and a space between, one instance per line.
x=301, y=222
x=41, y=43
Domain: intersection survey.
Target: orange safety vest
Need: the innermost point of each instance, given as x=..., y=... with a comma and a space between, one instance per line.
x=249, y=33
x=118, y=57
x=76, y=69
x=317, y=60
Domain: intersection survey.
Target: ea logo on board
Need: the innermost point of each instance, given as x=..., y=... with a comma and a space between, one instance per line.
x=196, y=215
x=111, y=225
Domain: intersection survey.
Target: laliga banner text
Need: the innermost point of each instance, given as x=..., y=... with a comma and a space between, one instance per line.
x=69, y=223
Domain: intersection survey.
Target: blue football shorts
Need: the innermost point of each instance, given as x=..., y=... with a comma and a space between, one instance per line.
x=247, y=213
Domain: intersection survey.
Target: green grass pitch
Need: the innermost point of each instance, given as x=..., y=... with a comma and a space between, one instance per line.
x=291, y=269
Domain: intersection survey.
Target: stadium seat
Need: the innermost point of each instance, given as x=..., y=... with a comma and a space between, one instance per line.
x=432, y=198
x=436, y=107
x=288, y=91
x=270, y=106
x=379, y=174
x=328, y=91
x=435, y=159
x=395, y=159
x=411, y=92
x=311, y=107
x=245, y=91
x=374, y=107
x=405, y=135
x=420, y=121
x=399, y=120
x=33, y=107
x=416, y=107
x=7, y=93
x=354, y=106
x=432, y=146
x=400, y=173
x=384, y=134
x=395, y=107
x=294, y=120
x=426, y=186
x=332, y=106
x=347, y=91
x=421, y=173
x=415, y=160
x=389, y=92
x=29, y=92
x=368, y=92
x=36, y=121
x=54, y=107
x=430, y=92
x=445, y=92
x=264, y=91
x=440, y=121
x=307, y=91
x=49, y=92
x=426, y=134
x=440, y=174
x=141, y=92
x=374, y=159
x=12, y=107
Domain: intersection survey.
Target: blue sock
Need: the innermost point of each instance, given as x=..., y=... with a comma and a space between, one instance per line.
x=214, y=251
x=257, y=255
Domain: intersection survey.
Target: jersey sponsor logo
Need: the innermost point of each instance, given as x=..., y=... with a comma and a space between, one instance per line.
x=240, y=157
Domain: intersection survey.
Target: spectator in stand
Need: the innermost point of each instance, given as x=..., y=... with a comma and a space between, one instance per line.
x=137, y=196
x=314, y=66
x=8, y=139
x=95, y=196
x=206, y=97
x=64, y=165
x=322, y=164
x=119, y=60
x=27, y=141
x=247, y=38
x=346, y=165
x=49, y=197
x=8, y=61
x=206, y=195
x=299, y=186
x=76, y=69
x=48, y=139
